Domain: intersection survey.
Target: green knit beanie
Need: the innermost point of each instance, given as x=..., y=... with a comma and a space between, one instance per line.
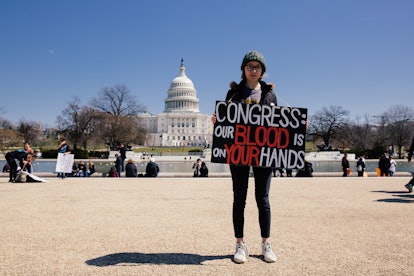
x=254, y=56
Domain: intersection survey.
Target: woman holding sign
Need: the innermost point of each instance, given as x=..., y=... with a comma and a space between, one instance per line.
x=251, y=90
x=65, y=149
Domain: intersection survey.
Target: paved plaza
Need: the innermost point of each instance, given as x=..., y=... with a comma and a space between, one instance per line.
x=182, y=226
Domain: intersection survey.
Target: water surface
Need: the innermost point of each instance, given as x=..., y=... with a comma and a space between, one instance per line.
x=102, y=166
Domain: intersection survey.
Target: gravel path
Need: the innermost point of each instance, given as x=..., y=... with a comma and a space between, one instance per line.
x=182, y=226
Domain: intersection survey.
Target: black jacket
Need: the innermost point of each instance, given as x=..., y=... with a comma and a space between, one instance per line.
x=17, y=154
x=131, y=170
x=235, y=93
x=384, y=163
x=345, y=163
x=152, y=169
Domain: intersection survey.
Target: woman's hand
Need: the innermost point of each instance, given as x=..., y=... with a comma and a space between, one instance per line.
x=214, y=118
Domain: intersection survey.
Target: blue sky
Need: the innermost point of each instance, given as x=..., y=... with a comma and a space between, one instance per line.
x=358, y=54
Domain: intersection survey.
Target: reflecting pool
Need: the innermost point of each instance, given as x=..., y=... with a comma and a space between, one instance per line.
x=103, y=166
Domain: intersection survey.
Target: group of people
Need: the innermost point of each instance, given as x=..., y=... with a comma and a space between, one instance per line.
x=151, y=170
x=78, y=170
x=81, y=170
x=386, y=165
x=306, y=171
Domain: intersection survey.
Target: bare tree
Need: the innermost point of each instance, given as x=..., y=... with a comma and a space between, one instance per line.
x=78, y=123
x=29, y=131
x=88, y=122
x=8, y=138
x=343, y=138
x=8, y=135
x=117, y=100
x=399, y=118
x=120, y=125
x=361, y=133
x=327, y=122
x=116, y=129
x=380, y=138
x=5, y=124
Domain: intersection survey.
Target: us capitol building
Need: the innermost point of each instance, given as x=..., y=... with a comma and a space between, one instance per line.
x=181, y=124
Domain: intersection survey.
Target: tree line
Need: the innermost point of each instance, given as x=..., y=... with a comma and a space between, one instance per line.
x=111, y=118
x=389, y=132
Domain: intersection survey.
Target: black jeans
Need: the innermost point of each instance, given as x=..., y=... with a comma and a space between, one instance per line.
x=262, y=179
x=384, y=172
x=13, y=167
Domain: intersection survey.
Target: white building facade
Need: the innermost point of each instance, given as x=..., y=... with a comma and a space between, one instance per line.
x=181, y=124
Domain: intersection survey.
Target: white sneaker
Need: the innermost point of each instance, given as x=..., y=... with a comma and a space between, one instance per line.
x=241, y=254
x=268, y=254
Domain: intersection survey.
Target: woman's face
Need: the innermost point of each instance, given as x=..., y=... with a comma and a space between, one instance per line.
x=29, y=158
x=253, y=70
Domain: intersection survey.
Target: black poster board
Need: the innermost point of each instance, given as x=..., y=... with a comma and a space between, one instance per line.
x=259, y=135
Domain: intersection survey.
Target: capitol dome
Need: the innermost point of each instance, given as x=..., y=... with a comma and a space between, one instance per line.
x=182, y=96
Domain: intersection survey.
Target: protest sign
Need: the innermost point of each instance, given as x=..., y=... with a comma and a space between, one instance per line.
x=64, y=163
x=259, y=135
